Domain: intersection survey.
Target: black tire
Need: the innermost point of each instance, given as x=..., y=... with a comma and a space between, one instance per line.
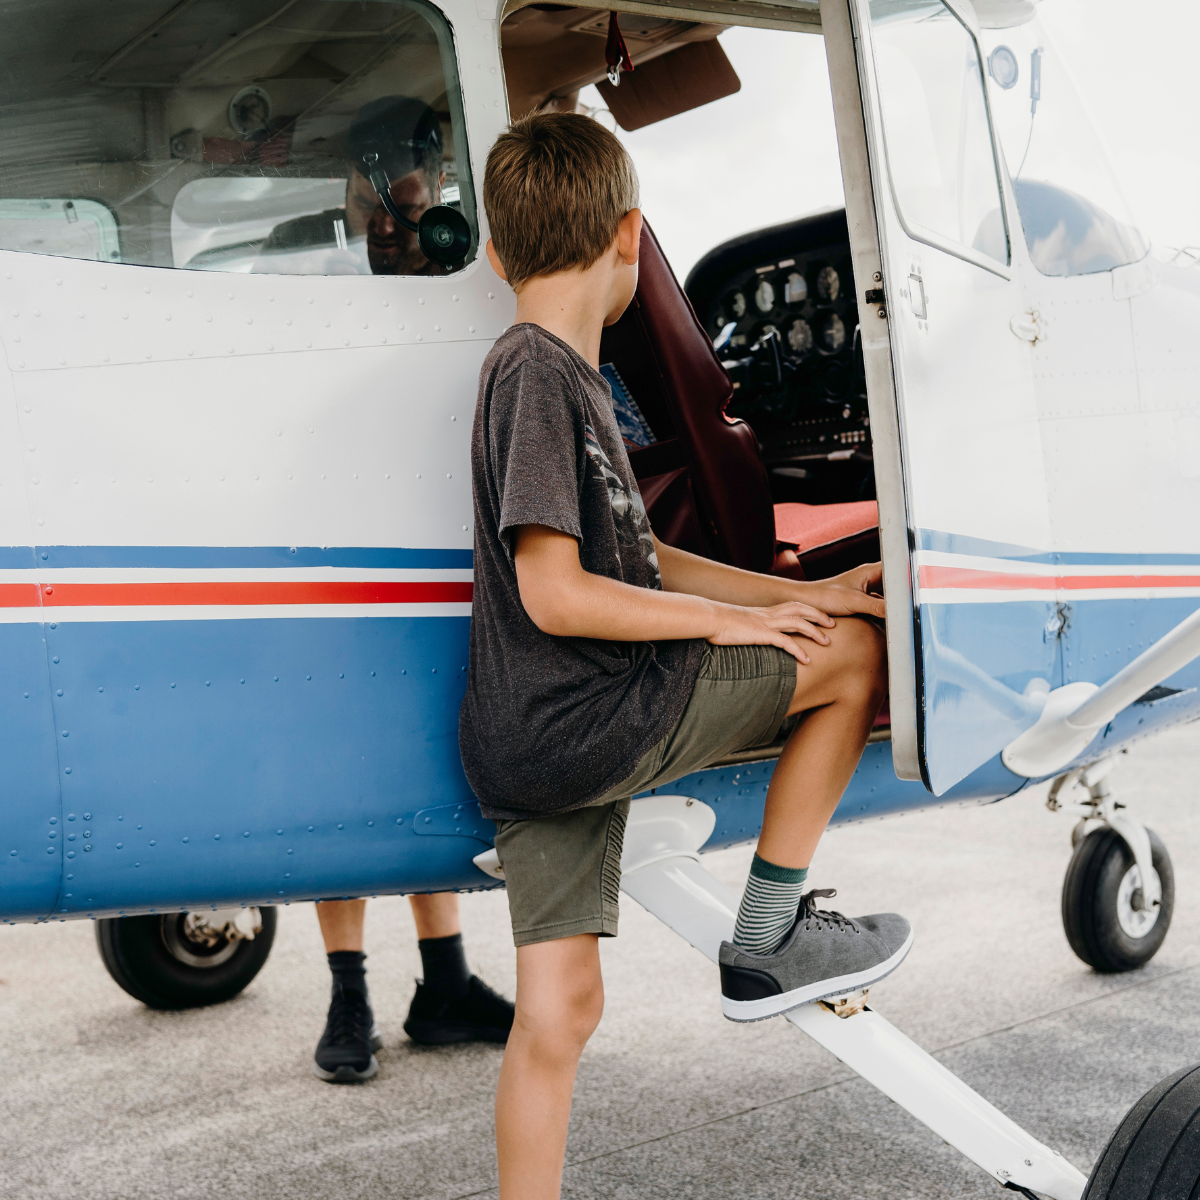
x=156, y=962
x=1154, y=1153
x=1093, y=903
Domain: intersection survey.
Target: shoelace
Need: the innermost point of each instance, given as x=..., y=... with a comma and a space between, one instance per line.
x=812, y=916
x=349, y=1020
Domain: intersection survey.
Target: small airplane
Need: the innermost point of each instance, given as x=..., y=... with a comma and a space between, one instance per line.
x=243, y=309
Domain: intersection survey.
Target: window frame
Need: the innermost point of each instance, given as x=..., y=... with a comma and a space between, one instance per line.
x=918, y=232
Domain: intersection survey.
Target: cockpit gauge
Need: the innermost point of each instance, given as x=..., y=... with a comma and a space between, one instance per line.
x=737, y=305
x=795, y=290
x=800, y=337
x=833, y=332
x=828, y=286
x=764, y=296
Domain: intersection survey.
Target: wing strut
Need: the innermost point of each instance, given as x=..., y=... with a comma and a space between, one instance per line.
x=662, y=872
x=1076, y=712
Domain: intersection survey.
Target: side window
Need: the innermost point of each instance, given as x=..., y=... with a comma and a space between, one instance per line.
x=73, y=228
x=241, y=135
x=939, y=145
x=1072, y=211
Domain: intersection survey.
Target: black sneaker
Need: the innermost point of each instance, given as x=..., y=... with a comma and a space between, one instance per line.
x=344, y=1053
x=825, y=954
x=435, y=1019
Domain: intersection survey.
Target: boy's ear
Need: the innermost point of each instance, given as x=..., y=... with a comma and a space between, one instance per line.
x=494, y=259
x=629, y=236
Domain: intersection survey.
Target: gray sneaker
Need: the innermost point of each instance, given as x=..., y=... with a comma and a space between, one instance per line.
x=825, y=954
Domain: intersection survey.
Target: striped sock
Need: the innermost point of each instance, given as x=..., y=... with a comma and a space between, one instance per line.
x=768, y=906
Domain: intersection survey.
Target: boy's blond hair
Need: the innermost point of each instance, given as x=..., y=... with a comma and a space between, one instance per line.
x=555, y=187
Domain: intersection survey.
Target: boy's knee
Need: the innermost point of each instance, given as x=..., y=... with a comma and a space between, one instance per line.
x=866, y=676
x=561, y=1023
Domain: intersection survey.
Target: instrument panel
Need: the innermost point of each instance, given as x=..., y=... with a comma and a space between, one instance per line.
x=783, y=317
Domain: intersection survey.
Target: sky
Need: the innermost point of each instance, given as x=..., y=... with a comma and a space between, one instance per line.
x=769, y=152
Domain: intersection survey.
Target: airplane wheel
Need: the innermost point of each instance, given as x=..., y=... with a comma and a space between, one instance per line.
x=1154, y=1153
x=1101, y=902
x=158, y=962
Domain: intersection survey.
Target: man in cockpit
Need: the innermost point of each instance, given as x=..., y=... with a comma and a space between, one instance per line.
x=397, y=139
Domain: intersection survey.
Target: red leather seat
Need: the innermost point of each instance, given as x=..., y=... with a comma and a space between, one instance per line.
x=705, y=486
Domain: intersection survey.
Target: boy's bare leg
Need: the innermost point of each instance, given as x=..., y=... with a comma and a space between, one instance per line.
x=560, y=997
x=840, y=692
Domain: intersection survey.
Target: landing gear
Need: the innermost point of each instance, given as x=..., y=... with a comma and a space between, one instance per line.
x=1153, y=1153
x=186, y=960
x=1119, y=891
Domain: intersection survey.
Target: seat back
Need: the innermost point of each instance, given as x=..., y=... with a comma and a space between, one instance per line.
x=667, y=360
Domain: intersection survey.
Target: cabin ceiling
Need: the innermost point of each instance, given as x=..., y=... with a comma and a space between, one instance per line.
x=551, y=51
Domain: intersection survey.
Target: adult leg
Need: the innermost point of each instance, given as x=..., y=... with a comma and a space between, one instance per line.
x=341, y=924
x=436, y=916
x=345, y=1053
x=450, y=1004
x=560, y=998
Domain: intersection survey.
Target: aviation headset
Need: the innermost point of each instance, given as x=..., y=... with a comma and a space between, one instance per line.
x=390, y=138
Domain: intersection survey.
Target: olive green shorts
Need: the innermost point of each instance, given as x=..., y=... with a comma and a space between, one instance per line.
x=563, y=872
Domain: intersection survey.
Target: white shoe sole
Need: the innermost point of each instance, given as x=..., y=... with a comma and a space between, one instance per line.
x=774, y=1006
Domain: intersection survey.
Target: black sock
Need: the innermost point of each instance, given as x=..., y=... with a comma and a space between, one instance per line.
x=348, y=971
x=445, y=965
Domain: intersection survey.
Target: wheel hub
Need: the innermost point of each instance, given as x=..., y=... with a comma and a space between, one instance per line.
x=191, y=939
x=1134, y=918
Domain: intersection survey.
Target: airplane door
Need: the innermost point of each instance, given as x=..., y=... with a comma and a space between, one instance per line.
x=950, y=338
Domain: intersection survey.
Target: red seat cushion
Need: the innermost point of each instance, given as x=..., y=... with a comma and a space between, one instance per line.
x=808, y=526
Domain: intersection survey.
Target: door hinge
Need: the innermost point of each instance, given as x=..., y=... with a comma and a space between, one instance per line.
x=1058, y=624
x=875, y=296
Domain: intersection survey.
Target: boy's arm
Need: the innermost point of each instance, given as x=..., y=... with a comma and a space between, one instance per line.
x=841, y=596
x=563, y=599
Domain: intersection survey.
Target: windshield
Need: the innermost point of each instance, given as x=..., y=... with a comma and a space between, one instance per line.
x=1074, y=217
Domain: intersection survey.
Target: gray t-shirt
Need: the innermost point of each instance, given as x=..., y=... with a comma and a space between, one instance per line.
x=550, y=723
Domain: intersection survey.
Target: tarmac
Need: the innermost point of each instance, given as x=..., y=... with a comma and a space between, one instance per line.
x=104, y=1099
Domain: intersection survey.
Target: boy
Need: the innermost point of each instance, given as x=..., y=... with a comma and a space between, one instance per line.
x=604, y=662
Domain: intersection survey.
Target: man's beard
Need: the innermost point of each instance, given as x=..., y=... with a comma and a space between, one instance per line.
x=396, y=258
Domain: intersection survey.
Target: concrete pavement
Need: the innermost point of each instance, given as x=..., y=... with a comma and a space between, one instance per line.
x=105, y=1100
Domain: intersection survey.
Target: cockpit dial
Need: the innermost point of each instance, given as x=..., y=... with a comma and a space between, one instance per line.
x=795, y=291
x=800, y=336
x=764, y=296
x=737, y=305
x=828, y=285
x=833, y=333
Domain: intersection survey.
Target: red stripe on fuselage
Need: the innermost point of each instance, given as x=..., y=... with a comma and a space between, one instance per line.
x=997, y=581
x=19, y=595
x=101, y=595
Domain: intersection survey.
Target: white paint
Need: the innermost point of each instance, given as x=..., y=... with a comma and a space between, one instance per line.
x=1187, y=446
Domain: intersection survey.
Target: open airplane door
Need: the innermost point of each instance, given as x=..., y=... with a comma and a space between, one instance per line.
x=958, y=451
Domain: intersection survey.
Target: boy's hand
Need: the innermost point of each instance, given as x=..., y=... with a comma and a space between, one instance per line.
x=853, y=593
x=738, y=626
